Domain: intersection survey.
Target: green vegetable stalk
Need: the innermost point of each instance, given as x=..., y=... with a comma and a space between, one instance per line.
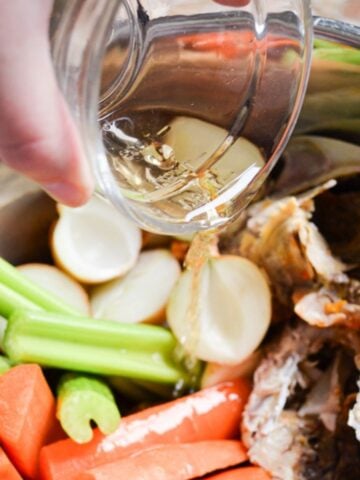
x=331, y=105
x=17, y=291
x=96, y=346
x=140, y=390
x=129, y=389
x=336, y=52
x=5, y=364
x=82, y=399
x=10, y=301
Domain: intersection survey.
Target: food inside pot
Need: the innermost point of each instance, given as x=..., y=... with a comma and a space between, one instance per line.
x=232, y=355
x=296, y=423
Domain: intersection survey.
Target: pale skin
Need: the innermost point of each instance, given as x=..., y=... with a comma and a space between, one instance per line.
x=38, y=137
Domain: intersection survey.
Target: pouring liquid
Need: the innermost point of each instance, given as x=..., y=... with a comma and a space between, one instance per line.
x=196, y=124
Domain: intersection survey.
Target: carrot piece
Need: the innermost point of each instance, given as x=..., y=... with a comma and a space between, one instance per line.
x=227, y=44
x=233, y=44
x=244, y=473
x=176, y=462
x=7, y=469
x=210, y=414
x=179, y=250
x=27, y=414
x=233, y=3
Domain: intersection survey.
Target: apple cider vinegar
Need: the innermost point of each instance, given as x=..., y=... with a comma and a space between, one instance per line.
x=197, y=101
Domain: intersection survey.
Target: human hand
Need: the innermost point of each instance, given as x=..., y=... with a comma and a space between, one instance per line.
x=38, y=137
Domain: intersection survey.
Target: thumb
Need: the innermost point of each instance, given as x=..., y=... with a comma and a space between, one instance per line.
x=38, y=137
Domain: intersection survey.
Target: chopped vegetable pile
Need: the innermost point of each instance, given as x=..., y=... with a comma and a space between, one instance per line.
x=112, y=372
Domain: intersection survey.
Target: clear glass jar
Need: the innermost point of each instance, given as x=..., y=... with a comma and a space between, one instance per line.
x=183, y=106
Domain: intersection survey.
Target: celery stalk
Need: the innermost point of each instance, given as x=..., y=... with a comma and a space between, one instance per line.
x=320, y=43
x=3, y=325
x=82, y=399
x=95, y=346
x=14, y=280
x=129, y=389
x=343, y=55
x=10, y=301
x=165, y=392
x=336, y=52
x=5, y=364
x=141, y=390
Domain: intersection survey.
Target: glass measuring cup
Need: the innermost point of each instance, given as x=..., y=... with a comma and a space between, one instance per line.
x=183, y=106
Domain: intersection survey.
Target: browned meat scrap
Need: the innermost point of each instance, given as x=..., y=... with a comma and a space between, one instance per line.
x=297, y=423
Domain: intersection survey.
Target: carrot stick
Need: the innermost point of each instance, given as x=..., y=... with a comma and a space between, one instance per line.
x=27, y=414
x=7, y=469
x=176, y=462
x=210, y=414
x=244, y=473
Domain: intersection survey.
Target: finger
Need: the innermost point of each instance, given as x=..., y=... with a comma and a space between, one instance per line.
x=37, y=134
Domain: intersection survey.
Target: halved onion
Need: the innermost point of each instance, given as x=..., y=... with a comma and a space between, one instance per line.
x=95, y=243
x=215, y=373
x=194, y=141
x=55, y=281
x=221, y=311
x=142, y=294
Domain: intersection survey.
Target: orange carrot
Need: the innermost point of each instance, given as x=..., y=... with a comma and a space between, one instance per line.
x=233, y=3
x=179, y=250
x=226, y=44
x=27, y=413
x=233, y=44
x=176, y=462
x=7, y=469
x=211, y=414
x=244, y=473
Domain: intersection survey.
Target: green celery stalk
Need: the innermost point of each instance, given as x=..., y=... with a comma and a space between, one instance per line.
x=141, y=390
x=5, y=364
x=82, y=398
x=343, y=55
x=320, y=43
x=159, y=390
x=10, y=301
x=96, y=346
x=337, y=52
x=16, y=281
x=331, y=110
x=129, y=389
